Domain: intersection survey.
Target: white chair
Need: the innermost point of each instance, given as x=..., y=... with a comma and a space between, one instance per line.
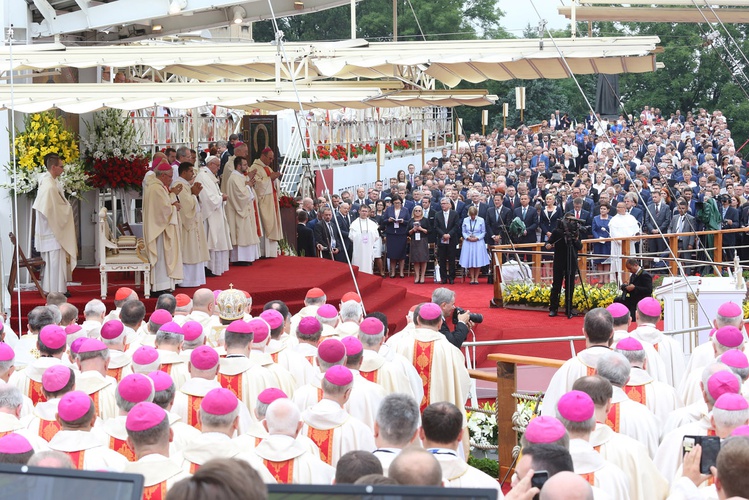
x=125, y=254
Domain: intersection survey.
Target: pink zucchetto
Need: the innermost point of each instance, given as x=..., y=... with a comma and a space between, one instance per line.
x=353, y=345
x=712, y=332
x=309, y=326
x=192, y=330
x=629, y=344
x=350, y=296
x=731, y=402
x=145, y=355
x=722, y=382
x=271, y=394
x=76, y=344
x=53, y=337
x=327, y=311
x=331, y=350
x=729, y=336
x=730, y=310
x=649, y=307
x=371, y=326
x=430, y=311
x=161, y=380
x=260, y=330
x=112, y=329
x=92, y=345
x=576, y=406
x=163, y=166
x=14, y=444
x=544, y=429
x=617, y=310
x=219, y=401
x=135, y=388
x=55, y=378
x=239, y=326
x=272, y=317
x=160, y=316
x=6, y=352
x=204, y=357
x=339, y=375
x=735, y=359
x=71, y=329
x=171, y=327
x=144, y=416
x=216, y=293
x=742, y=430
x=74, y=405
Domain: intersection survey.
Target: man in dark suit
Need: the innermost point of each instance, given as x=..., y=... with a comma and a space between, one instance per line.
x=498, y=219
x=475, y=197
x=630, y=200
x=657, y=221
x=682, y=222
x=305, y=238
x=328, y=238
x=430, y=210
x=457, y=204
x=512, y=200
x=344, y=225
x=578, y=212
x=640, y=286
x=529, y=215
x=730, y=218
x=447, y=231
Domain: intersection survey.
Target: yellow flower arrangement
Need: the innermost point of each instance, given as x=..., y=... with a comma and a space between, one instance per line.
x=539, y=295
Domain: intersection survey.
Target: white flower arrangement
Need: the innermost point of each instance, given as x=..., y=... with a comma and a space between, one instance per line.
x=482, y=427
x=111, y=135
x=527, y=408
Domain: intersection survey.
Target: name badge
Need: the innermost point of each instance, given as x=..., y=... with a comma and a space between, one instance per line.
x=417, y=236
x=396, y=225
x=365, y=239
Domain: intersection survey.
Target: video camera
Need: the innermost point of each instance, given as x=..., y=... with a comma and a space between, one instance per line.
x=474, y=317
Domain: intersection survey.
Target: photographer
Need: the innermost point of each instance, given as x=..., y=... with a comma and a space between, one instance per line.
x=445, y=298
x=565, y=240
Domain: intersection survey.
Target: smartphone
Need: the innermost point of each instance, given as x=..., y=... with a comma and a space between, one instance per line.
x=539, y=479
x=710, y=448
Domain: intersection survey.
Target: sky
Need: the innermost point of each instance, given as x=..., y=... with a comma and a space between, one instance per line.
x=518, y=13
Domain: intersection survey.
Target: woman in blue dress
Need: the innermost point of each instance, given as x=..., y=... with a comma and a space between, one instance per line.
x=396, y=221
x=473, y=255
x=600, y=229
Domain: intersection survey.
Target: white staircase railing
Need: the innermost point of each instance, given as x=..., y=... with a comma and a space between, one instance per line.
x=292, y=166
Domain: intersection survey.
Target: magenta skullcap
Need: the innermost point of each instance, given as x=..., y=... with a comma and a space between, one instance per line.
x=649, y=307
x=145, y=355
x=6, y=352
x=742, y=430
x=544, y=429
x=722, y=382
x=239, y=326
x=171, y=327
x=327, y=311
x=309, y=326
x=260, y=330
x=135, y=388
x=629, y=344
x=204, y=357
x=55, y=378
x=74, y=328
x=112, y=329
x=339, y=375
x=331, y=350
x=734, y=358
x=144, y=416
x=163, y=167
x=731, y=402
x=353, y=345
x=271, y=394
x=161, y=380
x=712, y=332
x=729, y=336
x=92, y=345
x=216, y=293
x=730, y=310
x=371, y=326
x=219, y=401
x=14, y=444
x=617, y=310
x=73, y=405
x=192, y=330
x=53, y=337
x=430, y=311
x=576, y=406
x=272, y=317
x=160, y=317
x=76, y=344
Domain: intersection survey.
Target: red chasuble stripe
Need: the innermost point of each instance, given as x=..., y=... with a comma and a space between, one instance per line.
x=612, y=419
x=371, y=376
x=194, y=468
x=324, y=441
x=95, y=397
x=115, y=373
x=35, y=392
x=274, y=357
x=77, y=457
x=590, y=371
x=636, y=393
x=590, y=477
x=231, y=382
x=155, y=492
x=423, y=352
x=122, y=448
x=283, y=472
x=193, y=410
x=48, y=429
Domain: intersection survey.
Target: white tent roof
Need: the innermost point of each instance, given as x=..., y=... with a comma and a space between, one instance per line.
x=83, y=98
x=447, y=61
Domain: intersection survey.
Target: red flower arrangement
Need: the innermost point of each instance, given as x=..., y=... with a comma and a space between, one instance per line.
x=388, y=147
x=117, y=172
x=286, y=202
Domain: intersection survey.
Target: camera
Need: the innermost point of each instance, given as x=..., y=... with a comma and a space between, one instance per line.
x=474, y=317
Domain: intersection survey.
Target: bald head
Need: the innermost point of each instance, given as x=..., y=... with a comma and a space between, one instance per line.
x=416, y=467
x=283, y=417
x=566, y=486
x=202, y=299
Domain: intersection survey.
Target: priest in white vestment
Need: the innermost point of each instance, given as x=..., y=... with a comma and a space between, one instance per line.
x=54, y=235
x=365, y=235
x=366, y=395
x=621, y=225
x=241, y=215
x=161, y=229
x=267, y=187
x=647, y=315
x=92, y=360
x=192, y=234
x=212, y=211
